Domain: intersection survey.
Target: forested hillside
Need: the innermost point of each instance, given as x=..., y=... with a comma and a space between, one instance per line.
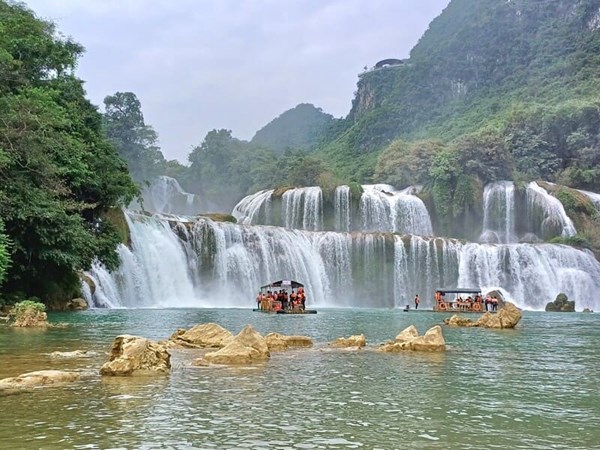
x=300, y=128
x=526, y=72
x=59, y=175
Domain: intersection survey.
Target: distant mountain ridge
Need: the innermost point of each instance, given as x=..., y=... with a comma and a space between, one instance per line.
x=298, y=128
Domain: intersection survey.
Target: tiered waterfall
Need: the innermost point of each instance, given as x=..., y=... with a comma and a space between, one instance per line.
x=196, y=262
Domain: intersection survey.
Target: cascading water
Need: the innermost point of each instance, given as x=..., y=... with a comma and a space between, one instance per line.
x=547, y=216
x=302, y=208
x=205, y=263
x=533, y=274
x=254, y=208
x=382, y=208
x=156, y=272
x=165, y=195
x=499, y=213
x=342, y=208
x=595, y=198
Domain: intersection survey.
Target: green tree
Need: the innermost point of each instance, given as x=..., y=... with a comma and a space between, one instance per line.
x=405, y=163
x=212, y=173
x=4, y=253
x=136, y=142
x=58, y=173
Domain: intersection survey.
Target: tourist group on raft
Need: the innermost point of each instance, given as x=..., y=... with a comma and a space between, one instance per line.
x=281, y=301
x=469, y=303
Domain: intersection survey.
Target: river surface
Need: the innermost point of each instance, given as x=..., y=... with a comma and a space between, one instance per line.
x=534, y=387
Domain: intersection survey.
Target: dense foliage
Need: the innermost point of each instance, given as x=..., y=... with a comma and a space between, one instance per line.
x=58, y=172
x=4, y=253
x=22, y=307
x=223, y=169
x=299, y=128
x=525, y=73
x=136, y=142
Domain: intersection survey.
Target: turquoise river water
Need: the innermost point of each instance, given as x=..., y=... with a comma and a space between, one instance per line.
x=534, y=387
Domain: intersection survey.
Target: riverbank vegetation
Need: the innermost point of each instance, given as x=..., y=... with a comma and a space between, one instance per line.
x=58, y=172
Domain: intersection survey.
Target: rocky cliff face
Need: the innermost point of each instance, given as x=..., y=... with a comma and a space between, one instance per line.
x=476, y=51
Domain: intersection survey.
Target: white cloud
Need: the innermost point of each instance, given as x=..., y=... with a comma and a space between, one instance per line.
x=236, y=64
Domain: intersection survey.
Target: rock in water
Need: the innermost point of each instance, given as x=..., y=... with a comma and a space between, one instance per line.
x=134, y=355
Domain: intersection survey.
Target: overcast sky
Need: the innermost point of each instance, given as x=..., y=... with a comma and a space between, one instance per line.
x=197, y=65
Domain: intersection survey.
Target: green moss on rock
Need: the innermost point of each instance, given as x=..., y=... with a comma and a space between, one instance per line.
x=116, y=217
x=561, y=304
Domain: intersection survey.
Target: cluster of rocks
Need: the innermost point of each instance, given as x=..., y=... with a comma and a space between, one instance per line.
x=139, y=356
x=507, y=317
x=409, y=339
x=561, y=304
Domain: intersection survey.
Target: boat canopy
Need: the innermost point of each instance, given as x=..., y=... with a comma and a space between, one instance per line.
x=460, y=291
x=283, y=284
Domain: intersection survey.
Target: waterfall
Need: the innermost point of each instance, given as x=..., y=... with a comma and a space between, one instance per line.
x=547, y=214
x=156, y=272
x=499, y=213
x=532, y=274
x=382, y=208
x=342, y=208
x=595, y=198
x=302, y=208
x=202, y=263
x=165, y=195
x=255, y=208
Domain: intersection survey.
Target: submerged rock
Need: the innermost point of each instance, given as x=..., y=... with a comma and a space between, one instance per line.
x=35, y=379
x=459, y=321
x=73, y=354
x=276, y=341
x=134, y=355
x=352, y=341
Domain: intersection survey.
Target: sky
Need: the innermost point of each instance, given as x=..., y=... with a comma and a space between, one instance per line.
x=198, y=65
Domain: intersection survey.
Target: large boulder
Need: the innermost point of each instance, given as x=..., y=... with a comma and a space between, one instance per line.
x=35, y=379
x=247, y=347
x=431, y=341
x=408, y=334
x=507, y=317
x=204, y=335
x=358, y=340
x=76, y=304
x=276, y=341
x=561, y=304
x=134, y=355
